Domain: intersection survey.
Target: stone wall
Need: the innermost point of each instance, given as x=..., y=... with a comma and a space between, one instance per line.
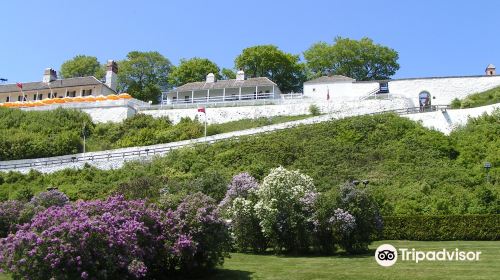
x=227, y=114
x=446, y=121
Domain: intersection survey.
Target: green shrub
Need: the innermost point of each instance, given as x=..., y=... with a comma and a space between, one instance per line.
x=449, y=227
x=456, y=103
x=314, y=110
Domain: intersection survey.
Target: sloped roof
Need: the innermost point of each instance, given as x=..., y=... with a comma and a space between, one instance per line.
x=62, y=83
x=233, y=83
x=330, y=79
x=491, y=66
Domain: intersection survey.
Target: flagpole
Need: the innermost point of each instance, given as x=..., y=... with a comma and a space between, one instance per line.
x=205, y=126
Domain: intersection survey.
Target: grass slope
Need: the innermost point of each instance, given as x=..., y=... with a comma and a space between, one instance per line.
x=247, y=266
x=488, y=97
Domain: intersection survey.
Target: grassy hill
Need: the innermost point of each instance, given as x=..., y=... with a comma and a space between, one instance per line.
x=411, y=169
x=488, y=97
x=60, y=132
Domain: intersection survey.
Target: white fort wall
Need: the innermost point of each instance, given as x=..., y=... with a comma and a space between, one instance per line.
x=442, y=90
x=227, y=114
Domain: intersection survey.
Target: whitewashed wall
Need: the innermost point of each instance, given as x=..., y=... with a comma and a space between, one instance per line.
x=442, y=90
x=226, y=114
x=446, y=121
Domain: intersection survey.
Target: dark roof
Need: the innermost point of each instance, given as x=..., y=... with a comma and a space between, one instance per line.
x=63, y=83
x=250, y=82
x=330, y=79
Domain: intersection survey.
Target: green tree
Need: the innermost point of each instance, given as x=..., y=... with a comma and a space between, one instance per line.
x=144, y=74
x=268, y=61
x=362, y=60
x=228, y=74
x=193, y=70
x=82, y=66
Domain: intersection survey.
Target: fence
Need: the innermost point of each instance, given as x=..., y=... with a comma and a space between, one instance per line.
x=227, y=101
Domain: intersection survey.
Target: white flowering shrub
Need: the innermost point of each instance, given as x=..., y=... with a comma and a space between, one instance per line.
x=284, y=208
x=238, y=206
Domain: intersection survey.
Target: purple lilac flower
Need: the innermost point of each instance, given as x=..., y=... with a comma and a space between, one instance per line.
x=343, y=221
x=240, y=186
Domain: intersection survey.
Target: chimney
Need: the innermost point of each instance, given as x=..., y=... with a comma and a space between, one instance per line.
x=210, y=78
x=240, y=75
x=49, y=75
x=111, y=74
x=490, y=70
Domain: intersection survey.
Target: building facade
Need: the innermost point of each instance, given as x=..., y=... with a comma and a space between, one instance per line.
x=52, y=87
x=213, y=91
x=420, y=92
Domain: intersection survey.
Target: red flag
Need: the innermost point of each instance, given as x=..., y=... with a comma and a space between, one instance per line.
x=327, y=94
x=201, y=110
x=19, y=85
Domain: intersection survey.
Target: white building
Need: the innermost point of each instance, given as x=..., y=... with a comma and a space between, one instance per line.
x=212, y=91
x=52, y=87
x=420, y=92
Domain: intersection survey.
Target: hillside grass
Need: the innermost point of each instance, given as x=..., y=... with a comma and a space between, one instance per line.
x=488, y=97
x=36, y=134
x=412, y=170
x=251, y=123
x=249, y=266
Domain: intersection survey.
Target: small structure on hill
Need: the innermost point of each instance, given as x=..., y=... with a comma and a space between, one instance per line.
x=213, y=91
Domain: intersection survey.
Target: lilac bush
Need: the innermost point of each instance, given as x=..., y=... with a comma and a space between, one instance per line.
x=50, y=198
x=115, y=239
x=238, y=206
x=10, y=212
x=240, y=186
x=202, y=233
x=285, y=207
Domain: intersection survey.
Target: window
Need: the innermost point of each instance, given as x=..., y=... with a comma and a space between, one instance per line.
x=186, y=99
x=71, y=94
x=314, y=89
x=7, y=99
x=34, y=96
x=87, y=92
x=54, y=95
x=491, y=73
x=174, y=98
x=40, y=96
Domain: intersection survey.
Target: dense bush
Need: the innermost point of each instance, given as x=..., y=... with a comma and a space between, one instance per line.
x=348, y=217
x=10, y=212
x=450, y=227
x=117, y=239
x=197, y=219
x=40, y=133
x=239, y=207
x=412, y=170
x=284, y=207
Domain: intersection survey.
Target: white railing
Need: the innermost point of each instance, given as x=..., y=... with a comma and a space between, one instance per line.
x=225, y=101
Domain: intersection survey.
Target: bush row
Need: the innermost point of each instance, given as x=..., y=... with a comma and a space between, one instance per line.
x=449, y=227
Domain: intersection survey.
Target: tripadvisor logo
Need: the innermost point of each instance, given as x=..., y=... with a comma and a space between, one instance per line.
x=387, y=255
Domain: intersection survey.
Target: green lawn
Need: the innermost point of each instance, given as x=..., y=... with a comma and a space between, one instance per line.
x=248, y=266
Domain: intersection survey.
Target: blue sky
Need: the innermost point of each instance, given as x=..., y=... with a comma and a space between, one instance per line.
x=433, y=38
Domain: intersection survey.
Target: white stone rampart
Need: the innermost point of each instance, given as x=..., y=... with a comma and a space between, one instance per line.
x=227, y=114
x=101, y=111
x=447, y=120
x=442, y=89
